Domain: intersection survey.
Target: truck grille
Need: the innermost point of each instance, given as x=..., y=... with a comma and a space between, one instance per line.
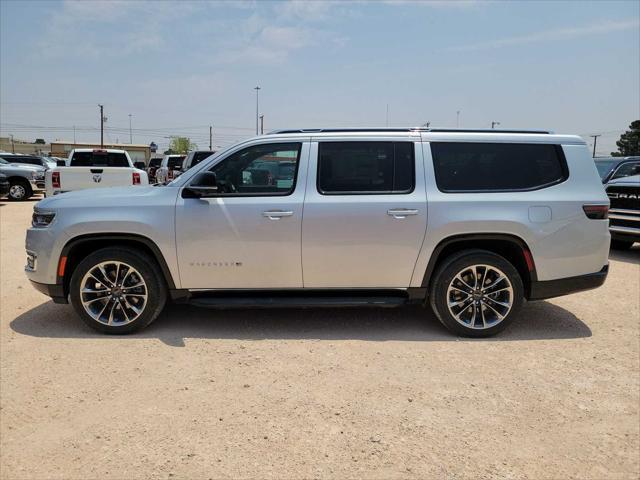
x=627, y=198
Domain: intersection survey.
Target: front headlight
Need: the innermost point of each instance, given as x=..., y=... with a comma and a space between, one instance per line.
x=37, y=175
x=42, y=218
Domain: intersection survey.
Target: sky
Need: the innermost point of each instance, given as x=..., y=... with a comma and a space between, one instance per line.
x=176, y=68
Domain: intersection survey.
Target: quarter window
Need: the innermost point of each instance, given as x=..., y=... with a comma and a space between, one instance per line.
x=366, y=167
x=268, y=168
x=481, y=167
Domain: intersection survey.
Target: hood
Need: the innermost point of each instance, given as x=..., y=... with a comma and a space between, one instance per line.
x=632, y=180
x=26, y=166
x=117, y=197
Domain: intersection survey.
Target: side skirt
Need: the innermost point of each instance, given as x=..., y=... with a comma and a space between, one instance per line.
x=299, y=298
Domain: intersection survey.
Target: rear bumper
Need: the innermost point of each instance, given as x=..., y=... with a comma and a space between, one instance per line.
x=56, y=292
x=564, y=286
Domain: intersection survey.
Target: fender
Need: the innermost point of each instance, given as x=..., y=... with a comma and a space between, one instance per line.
x=76, y=241
x=480, y=237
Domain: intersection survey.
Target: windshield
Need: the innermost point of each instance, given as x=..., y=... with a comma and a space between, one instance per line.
x=604, y=166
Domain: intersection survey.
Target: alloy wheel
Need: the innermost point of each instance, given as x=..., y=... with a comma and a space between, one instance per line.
x=480, y=296
x=113, y=293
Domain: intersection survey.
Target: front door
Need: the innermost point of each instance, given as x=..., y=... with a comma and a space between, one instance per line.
x=365, y=213
x=249, y=235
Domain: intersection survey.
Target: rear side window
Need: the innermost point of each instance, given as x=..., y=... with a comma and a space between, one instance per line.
x=366, y=167
x=99, y=159
x=497, y=167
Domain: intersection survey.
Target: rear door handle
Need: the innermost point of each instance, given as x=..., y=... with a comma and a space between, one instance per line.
x=401, y=212
x=276, y=214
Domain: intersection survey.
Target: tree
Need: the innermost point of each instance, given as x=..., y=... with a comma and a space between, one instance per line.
x=181, y=145
x=40, y=141
x=629, y=143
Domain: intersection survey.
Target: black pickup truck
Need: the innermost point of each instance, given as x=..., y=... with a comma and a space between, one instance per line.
x=624, y=212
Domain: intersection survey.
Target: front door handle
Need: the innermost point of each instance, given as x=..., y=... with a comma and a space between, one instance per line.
x=276, y=214
x=401, y=212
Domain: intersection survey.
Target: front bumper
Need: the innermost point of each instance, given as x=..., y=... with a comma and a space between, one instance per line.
x=37, y=184
x=564, y=286
x=56, y=292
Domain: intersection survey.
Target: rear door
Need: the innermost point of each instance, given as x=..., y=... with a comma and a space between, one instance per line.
x=247, y=237
x=365, y=213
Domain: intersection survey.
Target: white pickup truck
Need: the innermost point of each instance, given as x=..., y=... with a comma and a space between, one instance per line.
x=89, y=168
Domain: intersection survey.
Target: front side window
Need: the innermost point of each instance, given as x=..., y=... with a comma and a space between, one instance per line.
x=268, y=168
x=365, y=167
x=482, y=167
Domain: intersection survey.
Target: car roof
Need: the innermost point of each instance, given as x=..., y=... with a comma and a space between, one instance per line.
x=108, y=150
x=429, y=134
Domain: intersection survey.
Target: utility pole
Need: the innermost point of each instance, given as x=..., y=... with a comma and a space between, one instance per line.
x=101, y=126
x=387, y=117
x=257, y=89
x=13, y=145
x=74, y=134
x=458, y=119
x=595, y=141
x=210, y=137
x=493, y=124
x=261, y=124
x=426, y=124
x=130, y=134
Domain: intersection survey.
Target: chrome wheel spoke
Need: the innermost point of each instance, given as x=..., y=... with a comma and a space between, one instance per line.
x=480, y=296
x=106, y=297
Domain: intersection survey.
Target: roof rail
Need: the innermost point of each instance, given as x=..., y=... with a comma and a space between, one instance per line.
x=413, y=129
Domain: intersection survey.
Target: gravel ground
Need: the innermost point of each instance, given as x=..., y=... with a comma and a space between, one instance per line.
x=362, y=393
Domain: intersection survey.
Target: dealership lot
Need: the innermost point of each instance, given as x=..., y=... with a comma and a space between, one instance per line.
x=371, y=393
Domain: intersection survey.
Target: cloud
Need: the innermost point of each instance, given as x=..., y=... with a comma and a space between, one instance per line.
x=551, y=35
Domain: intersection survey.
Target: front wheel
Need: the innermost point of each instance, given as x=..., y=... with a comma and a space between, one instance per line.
x=20, y=190
x=118, y=290
x=476, y=293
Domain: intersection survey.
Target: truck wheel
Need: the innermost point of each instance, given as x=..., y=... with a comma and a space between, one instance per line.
x=621, y=244
x=19, y=190
x=476, y=293
x=118, y=290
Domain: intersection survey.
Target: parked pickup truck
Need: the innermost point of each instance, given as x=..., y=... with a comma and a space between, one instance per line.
x=624, y=214
x=24, y=180
x=88, y=168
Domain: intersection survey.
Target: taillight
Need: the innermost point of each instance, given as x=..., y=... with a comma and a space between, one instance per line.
x=136, y=178
x=55, y=179
x=596, y=212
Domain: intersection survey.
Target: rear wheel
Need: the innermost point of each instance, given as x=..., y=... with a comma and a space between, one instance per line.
x=476, y=293
x=621, y=244
x=118, y=290
x=19, y=190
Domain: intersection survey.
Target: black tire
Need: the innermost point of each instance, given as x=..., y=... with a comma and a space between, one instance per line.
x=156, y=289
x=617, y=244
x=19, y=189
x=445, y=274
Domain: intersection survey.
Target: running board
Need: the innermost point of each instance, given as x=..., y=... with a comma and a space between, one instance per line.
x=312, y=299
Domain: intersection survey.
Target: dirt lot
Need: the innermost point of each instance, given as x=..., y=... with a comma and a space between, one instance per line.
x=319, y=393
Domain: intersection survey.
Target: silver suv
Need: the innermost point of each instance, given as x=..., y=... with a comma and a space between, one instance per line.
x=472, y=223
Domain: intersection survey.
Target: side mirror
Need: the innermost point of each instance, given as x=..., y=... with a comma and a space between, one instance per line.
x=61, y=163
x=139, y=165
x=205, y=184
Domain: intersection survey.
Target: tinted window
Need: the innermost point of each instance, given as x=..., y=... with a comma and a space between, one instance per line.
x=174, y=162
x=99, y=159
x=200, y=156
x=246, y=172
x=155, y=162
x=23, y=159
x=627, y=169
x=472, y=167
x=365, y=167
x=604, y=166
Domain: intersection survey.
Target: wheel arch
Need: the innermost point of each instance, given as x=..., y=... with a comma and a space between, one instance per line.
x=511, y=247
x=79, y=247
